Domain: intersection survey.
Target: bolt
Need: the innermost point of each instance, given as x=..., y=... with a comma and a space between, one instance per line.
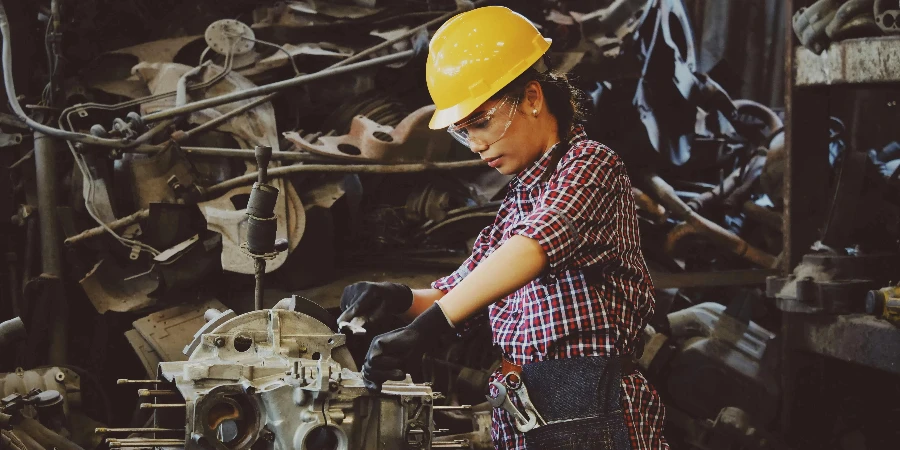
x=333, y=385
x=219, y=342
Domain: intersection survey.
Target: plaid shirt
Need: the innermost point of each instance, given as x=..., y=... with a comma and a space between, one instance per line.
x=583, y=214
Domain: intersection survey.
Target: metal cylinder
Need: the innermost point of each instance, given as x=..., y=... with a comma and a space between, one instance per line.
x=262, y=201
x=261, y=235
x=45, y=151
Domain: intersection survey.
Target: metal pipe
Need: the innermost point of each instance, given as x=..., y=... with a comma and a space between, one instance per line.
x=127, y=381
x=51, y=256
x=137, y=430
x=283, y=171
x=162, y=405
x=696, y=223
x=114, y=225
x=274, y=87
x=181, y=136
x=259, y=265
x=45, y=167
x=234, y=152
x=155, y=392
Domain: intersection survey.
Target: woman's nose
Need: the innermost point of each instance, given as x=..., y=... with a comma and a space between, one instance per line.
x=477, y=147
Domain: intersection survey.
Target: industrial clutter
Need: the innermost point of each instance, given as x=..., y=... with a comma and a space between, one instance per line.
x=446, y=224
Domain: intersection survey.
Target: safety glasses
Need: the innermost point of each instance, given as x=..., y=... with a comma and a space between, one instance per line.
x=486, y=127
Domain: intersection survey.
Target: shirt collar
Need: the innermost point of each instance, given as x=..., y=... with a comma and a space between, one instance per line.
x=529, y=177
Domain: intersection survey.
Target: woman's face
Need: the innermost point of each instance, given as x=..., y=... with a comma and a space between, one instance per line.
x=504, y=135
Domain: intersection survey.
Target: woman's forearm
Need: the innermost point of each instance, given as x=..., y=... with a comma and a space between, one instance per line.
x=422, y=300
x=518, y=261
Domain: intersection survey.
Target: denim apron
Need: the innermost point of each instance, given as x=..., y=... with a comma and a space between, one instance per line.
x=580, y=399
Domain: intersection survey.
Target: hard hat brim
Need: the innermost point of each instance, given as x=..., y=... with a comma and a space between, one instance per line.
x=443, y=118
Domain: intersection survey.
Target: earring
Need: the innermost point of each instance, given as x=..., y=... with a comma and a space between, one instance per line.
x=534, y=112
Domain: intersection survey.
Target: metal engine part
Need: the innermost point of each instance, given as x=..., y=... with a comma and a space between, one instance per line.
x=286, y=378
x=712, y=361
x=62, y=380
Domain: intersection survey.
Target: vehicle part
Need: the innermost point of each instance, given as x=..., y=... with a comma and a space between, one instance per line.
x=59, y=379
x=809, y=23
x=695, y=223
x=168, y=332
x=832, y=284
x=262, y=224
x=410, y=141
x=713, y=359
x=285, y=377
x=888, y=20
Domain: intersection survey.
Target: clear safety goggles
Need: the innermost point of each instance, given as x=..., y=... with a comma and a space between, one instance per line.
x=486, y=127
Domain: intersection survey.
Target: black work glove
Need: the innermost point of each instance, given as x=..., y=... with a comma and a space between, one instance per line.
x=374, y=301
x=389, y=352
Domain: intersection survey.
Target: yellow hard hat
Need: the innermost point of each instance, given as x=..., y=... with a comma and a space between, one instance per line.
x=474, y=55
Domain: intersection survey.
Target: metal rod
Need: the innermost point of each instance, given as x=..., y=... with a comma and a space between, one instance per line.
x=127, y=381
x=155, y=393
x=277, y=172
x=137, y=430
x=275, y=87
x=114, y=225
x=145, y=443
x=223, y=118
x=162, y=405
x=453, y=408
x=258, y=291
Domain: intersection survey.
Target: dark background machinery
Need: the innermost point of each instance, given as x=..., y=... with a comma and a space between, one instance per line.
x=768, y=202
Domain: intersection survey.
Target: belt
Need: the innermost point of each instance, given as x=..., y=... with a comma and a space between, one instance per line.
x=629, y=365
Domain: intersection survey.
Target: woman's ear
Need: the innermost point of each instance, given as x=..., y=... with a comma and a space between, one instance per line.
x=534, y=97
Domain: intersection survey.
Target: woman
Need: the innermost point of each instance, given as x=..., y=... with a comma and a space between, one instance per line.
x=560, y=269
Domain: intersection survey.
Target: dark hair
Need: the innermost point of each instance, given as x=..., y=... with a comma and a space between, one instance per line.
x=564, y=100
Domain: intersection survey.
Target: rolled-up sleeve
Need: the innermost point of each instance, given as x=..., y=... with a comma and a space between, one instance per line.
x=574, y=207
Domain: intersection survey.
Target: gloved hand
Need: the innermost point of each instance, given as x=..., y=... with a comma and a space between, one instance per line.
x=374, y=301
x=389, y=352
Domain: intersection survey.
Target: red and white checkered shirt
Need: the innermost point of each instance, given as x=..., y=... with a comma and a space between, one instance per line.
x=582, y=215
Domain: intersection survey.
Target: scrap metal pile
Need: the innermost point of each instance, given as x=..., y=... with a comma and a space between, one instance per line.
x=130, y=162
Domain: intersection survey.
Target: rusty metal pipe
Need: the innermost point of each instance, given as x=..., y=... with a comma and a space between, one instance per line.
x=283, y=171
x=114, y=225
x=696, y=223
x=645, y=203
x=239, y=153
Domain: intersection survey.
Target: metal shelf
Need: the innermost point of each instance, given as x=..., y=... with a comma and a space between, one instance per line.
x=853, y=61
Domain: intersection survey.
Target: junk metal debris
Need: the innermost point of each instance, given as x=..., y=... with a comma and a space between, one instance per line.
x=150, y=169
